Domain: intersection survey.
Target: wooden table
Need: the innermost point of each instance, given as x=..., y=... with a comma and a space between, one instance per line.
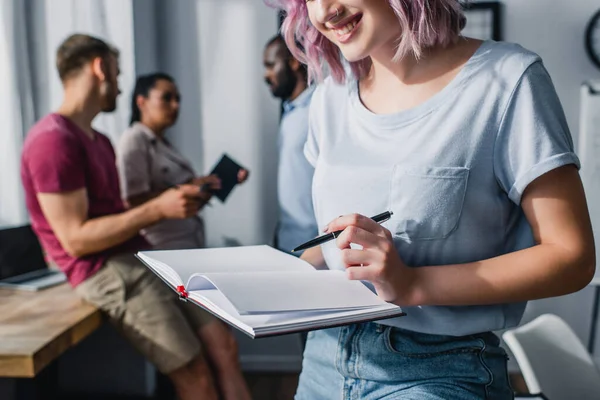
x=37, y=327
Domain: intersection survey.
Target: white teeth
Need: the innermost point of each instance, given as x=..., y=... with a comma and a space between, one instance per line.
x=346, y=29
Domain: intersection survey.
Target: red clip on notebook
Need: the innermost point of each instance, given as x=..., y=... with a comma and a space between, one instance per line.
x=182, y=293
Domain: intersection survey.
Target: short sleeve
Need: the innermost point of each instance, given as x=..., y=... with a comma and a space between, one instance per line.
x=55, y=161
x=534, y=137
x=133, y=165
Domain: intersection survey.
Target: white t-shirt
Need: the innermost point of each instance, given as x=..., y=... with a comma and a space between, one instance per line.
x=452, y=170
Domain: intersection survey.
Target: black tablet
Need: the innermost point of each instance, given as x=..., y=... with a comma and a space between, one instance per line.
x=227, y=171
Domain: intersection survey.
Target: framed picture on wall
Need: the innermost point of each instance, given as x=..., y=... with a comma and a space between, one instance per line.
x=484, y=20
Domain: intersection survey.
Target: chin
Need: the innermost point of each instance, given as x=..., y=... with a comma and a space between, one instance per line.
x=353, y=55
x=354, y=51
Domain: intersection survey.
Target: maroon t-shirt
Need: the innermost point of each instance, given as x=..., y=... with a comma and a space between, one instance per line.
x=59, y=157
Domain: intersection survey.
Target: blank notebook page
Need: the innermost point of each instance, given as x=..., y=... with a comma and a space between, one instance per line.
x=252, y=293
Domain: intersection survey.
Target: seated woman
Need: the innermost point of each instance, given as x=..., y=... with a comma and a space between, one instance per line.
x=148, y=165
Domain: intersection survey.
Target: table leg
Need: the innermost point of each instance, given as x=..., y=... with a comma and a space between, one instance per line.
x=595, y=309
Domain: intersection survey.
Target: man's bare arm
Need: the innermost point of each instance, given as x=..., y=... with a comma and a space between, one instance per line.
x=135, y=201
x=67, y=214
x=204, y=196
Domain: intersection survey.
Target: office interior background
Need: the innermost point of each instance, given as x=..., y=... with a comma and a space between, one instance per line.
x=214, y=48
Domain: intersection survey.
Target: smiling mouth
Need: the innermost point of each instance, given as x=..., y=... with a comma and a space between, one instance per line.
x=346, y=28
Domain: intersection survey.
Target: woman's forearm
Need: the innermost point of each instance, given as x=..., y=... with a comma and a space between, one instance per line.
x=545, y=270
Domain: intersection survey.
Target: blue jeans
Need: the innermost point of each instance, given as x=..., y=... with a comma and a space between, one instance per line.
x=373, y=361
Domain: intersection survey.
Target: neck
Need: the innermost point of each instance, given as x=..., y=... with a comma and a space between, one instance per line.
x=80, y=107
x=157, y=130
x=392, y=87
x=410, y=70
x=300, y=87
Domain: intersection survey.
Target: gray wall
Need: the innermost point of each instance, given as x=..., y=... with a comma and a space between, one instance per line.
x=238, y=115
x=555, y=30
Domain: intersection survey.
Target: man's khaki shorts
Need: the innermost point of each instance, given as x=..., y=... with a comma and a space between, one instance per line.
x=146, y=311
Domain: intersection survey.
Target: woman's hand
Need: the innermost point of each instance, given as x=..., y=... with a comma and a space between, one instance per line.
x=211, y=182
x=378, y=262
x=208, y=184
x=243, y=175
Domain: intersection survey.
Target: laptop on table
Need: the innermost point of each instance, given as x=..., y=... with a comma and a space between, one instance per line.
x=22, y=262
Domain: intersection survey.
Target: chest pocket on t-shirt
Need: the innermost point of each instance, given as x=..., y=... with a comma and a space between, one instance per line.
x=426, y=201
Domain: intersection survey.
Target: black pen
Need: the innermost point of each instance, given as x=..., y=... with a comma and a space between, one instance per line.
x=379, y=218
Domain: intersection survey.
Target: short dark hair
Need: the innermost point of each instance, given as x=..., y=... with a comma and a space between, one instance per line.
x=286, y=53
x=79, y=49
x=143, y=85
x=280, y=41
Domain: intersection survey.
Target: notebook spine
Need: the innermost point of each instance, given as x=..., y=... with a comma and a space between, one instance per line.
x=183, y=295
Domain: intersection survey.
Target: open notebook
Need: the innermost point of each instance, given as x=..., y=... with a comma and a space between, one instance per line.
x=265, y=292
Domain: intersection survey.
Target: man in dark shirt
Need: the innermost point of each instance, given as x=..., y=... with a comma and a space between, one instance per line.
x=72, y=193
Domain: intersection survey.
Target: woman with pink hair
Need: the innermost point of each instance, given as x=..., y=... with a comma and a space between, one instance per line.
x=466, y=142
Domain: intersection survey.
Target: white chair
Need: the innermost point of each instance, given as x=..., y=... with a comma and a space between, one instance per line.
x=553, y=360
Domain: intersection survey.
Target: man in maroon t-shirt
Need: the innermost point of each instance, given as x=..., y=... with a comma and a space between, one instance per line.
x=72, y=193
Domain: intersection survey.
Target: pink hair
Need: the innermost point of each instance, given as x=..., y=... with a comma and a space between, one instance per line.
x=425, y=23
